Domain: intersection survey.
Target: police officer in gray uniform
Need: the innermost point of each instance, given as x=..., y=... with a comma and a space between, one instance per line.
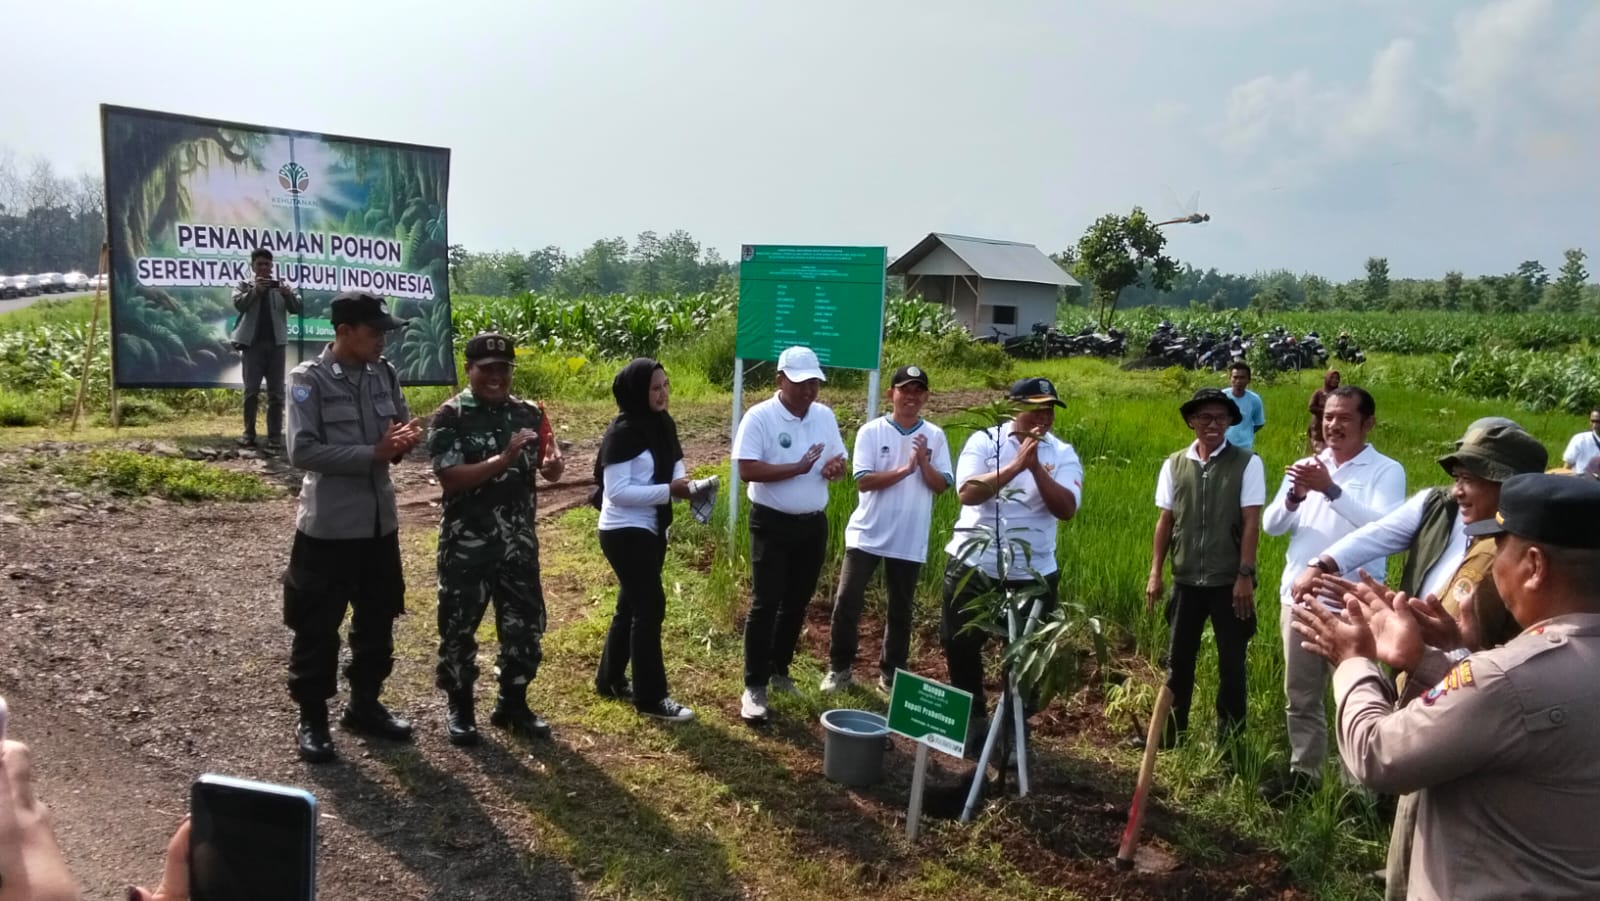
x=1502, y=749
x=348, y=423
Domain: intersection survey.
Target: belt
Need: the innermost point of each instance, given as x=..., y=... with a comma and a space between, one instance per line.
x=773, y=511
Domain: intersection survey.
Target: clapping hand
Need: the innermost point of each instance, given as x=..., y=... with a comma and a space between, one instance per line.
x=398, y=440
x=834, y=468
x=1310, y=475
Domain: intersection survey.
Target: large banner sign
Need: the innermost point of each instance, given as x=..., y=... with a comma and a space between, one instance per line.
x=188, y=199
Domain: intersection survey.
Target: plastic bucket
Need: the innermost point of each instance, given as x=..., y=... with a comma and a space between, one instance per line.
x=852, y=748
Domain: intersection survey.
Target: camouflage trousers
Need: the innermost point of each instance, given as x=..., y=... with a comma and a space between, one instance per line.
x=519, y=618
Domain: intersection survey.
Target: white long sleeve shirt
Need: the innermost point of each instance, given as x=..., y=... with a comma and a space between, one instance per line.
x=1393, y=534
x=632, y=495
x=1372, y=486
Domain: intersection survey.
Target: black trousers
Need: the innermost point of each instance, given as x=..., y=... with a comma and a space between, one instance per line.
x=786, y=554
x=636, y=556
x=326, y=577
x=963, y=648
x=1187, y=611
x=900, y=576
x=263, y=359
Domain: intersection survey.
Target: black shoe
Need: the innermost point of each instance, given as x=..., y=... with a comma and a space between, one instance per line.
x=274, y=443
x=461, y=721
x=312, y=740
x=1281, y=791
x=368, y=716
x=245, y=441
x=616, y=691
x=511, y=713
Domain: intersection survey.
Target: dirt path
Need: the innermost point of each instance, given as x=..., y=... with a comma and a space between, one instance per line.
x=143, y=646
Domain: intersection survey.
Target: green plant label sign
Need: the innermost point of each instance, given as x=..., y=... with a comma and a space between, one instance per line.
x=829, y=299
x=188, y=199
x=930, y=712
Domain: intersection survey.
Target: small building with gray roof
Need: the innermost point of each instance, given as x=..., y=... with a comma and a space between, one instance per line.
x=990, y=286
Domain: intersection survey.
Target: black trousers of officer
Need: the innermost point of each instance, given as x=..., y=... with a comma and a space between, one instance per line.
x=326, y=578
x=786, y=552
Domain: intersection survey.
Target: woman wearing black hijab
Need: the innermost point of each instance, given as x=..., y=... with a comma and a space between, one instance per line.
x=638, y=471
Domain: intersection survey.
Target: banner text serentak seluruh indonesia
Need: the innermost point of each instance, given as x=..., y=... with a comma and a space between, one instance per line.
x=221, y=256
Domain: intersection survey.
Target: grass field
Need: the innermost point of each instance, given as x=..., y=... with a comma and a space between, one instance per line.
x=704, y=811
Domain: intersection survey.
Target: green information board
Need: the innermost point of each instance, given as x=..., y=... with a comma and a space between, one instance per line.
x=829, y=299
x=930, y=712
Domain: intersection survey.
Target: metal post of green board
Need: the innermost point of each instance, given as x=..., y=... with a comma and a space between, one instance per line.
x=733, y=432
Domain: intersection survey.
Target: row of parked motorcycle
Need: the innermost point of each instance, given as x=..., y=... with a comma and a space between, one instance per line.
x=1045, y=341
x=1170, y=346
x=1208, y=349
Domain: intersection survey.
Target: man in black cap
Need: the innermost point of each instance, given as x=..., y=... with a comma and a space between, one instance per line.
x=486, y=446
x=348, y=423
x=1016, y=481
x=1501, y=749
x=902, y=462
x=1210, y=495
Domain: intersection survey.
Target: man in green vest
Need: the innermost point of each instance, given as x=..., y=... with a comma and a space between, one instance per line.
x=1210, y=495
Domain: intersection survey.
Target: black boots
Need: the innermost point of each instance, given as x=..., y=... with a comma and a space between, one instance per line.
x=460, y=721
x=366, y=715
x=312, y=740
x=511, y=713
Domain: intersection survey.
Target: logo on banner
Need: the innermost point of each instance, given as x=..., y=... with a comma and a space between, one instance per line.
x=294, y=178
x=747, y=252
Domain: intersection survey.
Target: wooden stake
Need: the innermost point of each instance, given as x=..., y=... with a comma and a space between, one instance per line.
x=88, y=349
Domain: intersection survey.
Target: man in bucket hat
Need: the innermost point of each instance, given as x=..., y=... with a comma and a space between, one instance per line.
x=1444, y=567
x=1210, y=495
x=1500, y=750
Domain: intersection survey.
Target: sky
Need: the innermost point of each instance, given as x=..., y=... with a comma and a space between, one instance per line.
x=1439, y=134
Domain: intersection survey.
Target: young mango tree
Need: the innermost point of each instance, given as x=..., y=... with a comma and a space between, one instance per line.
x=1118, y=251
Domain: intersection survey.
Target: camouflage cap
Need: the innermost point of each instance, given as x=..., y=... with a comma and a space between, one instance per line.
x=1496, y=453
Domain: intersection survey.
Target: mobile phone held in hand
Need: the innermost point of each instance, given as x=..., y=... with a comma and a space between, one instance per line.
x=251, y=841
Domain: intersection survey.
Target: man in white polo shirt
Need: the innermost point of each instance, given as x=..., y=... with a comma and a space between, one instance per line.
x=1322, y=499
x=1583, y=451
x=1015, y=481
x=787, y=449
x=902, y=462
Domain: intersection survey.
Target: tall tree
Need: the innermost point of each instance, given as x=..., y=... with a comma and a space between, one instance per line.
x=1567, y=290
x=1451, y=297
x=1115, y=252
x=1376, y=290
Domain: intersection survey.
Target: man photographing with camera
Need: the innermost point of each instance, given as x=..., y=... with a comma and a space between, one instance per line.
x=262, y=338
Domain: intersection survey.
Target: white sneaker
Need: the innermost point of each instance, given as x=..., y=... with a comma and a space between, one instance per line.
x=669, y=710
x=783, y=685
x=753, y=705
x=885, y=684
x=836, y=680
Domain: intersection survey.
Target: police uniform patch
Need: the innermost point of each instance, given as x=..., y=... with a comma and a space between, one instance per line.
x=300, y=393
x=1455, y=680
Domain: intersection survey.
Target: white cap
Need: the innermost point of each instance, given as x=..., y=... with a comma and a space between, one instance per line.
x=800, y=364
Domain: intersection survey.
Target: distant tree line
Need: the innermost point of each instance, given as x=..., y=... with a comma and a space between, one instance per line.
x=49, y=223
x=1529, y=287
x=652, y=264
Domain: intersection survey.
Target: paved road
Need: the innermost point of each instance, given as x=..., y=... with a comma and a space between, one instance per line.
x=17, y=303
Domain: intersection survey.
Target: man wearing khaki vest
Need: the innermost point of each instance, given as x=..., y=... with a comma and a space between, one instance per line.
x=1210, y=496
x=1500, y=751
x=1444, y=567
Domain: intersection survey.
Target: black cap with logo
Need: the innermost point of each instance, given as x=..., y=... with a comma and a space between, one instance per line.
x=1034, y=391
x=1546, y=508
x=491, y=347
x=907, y=375
x=355, y=307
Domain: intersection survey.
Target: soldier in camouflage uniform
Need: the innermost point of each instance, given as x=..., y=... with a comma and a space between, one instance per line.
x=486, y=445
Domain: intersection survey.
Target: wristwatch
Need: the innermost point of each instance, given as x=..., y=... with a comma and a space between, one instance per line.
x=1333, y=492
x=1248, y=572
